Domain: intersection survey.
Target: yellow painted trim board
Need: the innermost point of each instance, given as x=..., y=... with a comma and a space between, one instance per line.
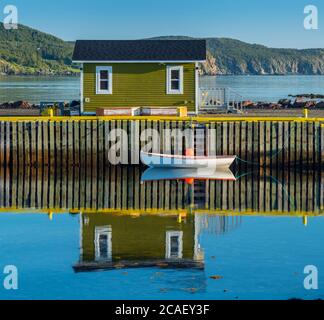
x=181, y=212
x=158, y=118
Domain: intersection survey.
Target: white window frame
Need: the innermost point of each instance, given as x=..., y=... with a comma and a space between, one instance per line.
x=169, y=235
x=99, y=231
x=98, y=79
x=169, y=82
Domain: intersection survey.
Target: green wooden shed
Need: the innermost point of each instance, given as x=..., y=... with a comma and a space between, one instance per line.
x=139, y=73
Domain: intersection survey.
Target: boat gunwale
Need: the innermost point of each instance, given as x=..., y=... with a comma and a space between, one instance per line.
x=196, y=179
x=188, y=157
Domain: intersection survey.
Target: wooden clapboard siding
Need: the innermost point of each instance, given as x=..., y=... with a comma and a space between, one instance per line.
x=138, y=84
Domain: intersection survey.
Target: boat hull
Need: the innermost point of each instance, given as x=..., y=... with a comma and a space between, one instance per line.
x=155, y=160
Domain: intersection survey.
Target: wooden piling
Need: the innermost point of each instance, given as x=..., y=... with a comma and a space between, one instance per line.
x=83, y=142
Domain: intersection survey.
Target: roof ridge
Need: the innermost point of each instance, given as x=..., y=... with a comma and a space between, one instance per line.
x=140, y=50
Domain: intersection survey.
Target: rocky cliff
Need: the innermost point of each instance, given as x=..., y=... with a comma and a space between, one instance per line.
x=228, y=56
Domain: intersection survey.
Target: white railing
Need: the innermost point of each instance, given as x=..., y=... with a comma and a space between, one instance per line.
x=235, y=100
x=212, y=97
x=220, y=98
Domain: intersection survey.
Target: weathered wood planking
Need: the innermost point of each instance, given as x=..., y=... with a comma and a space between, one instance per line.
x=83, y=142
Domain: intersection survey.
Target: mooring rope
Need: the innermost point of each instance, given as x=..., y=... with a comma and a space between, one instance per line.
x=284, y=189
x=272, y=155
x=249, y=162
x=290, y=199
x=245, y=174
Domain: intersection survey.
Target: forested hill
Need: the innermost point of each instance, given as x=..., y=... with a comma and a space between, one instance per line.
x=229, y=56
x=237, y=57
x=28, y=51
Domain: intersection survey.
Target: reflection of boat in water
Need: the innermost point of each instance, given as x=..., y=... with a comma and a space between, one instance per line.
x=158, y=174
x=157, y=160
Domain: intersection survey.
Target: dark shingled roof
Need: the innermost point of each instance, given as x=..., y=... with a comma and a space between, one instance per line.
x=140, y=50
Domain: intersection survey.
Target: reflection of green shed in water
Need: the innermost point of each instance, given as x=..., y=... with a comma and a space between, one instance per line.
x=114, y=241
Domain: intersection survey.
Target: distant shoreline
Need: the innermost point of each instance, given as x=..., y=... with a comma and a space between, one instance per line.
x=267, y=89
x=41, y=75
x=205, y=75
x=264, y=75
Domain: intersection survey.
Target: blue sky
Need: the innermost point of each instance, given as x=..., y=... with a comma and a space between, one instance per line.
x=277, y=23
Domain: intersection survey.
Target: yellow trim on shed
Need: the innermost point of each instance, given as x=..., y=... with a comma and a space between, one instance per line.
x=161, y=118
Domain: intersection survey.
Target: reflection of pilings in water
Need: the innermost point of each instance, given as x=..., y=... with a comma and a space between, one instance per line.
x=200, y=194
x=120, y=188
x=78, y=187
x=269, y=191
x=218, y=225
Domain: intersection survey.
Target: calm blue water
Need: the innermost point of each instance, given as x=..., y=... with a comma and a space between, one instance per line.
x=257, y=88
x=267, y=88
x=36, y=89
x=263, y=258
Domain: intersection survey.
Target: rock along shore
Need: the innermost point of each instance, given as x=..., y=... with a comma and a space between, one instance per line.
x=298, y=103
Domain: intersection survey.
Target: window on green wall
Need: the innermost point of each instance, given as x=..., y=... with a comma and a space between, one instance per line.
x=104, y=80
x=174, y=245
x=103, y=243
x=174, y=79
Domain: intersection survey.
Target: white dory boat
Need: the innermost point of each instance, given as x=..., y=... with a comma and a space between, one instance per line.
x=156, y=160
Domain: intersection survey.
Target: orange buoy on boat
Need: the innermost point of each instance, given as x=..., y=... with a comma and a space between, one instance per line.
x=189, y=181
x=190, y=152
